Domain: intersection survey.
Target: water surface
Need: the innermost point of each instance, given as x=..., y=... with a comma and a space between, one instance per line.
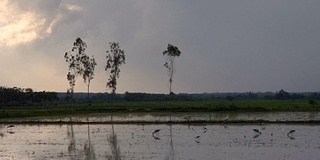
x=136, y=142
x=178, y=117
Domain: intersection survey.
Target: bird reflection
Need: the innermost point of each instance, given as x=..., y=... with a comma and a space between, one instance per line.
x=156, y=138
x=291, y=138
x=256, y=136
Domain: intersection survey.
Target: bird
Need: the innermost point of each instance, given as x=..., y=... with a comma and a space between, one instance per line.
x=204, y=129
x=10, y=126
x=156, y=131
x=263, y=126
x=197, y=137
x=290, y=132
x=257, y=131
x=225, y=121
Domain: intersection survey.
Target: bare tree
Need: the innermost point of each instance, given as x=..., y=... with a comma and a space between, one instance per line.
x=115, y=58
x=171, y=53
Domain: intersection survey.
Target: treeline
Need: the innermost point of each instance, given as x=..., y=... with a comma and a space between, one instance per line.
x=10, y=96
x=281, y=95
x=144, y=97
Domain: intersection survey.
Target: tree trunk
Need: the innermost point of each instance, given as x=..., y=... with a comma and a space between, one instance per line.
x=171, y=75
x=88, y=94
x=170, y=91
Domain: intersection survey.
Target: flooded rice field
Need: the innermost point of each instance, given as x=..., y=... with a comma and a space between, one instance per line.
x=178, y=117
x=176, y=141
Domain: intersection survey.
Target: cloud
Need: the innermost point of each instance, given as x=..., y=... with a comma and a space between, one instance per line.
x=18, y=27
x=74, y=8
x=23, y=23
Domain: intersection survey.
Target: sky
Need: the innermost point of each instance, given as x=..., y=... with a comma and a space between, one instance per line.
x=226, y=45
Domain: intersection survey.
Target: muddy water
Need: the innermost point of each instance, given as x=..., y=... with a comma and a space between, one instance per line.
x=136, y=142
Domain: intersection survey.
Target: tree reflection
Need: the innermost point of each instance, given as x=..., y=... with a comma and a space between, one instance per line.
x=171, y=154
x=87, y=153
x=1, y=132
x=72, y=144
x=115, y=149
x=88, y=148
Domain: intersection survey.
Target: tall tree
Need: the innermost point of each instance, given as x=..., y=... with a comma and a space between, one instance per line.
x=171, y=53
x=75, y=58
x=88, y=71
x=115, y=58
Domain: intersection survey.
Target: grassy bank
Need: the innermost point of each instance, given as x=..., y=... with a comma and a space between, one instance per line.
x=170, y=107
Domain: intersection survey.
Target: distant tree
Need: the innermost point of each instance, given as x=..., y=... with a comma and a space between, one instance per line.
x=75, y=58
x=282, y=95
x=24, y=96
x=88, y=71
x=171, y=53
x=115, y=58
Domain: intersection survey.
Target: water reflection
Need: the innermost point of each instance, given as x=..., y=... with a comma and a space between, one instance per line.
x=171, y=155
x=256, y=136
x=87, y=152
x=201, y=141
x=115, y=148
x=156, y=138
x=224, y=117
x=1, y=131
x=89, y=148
